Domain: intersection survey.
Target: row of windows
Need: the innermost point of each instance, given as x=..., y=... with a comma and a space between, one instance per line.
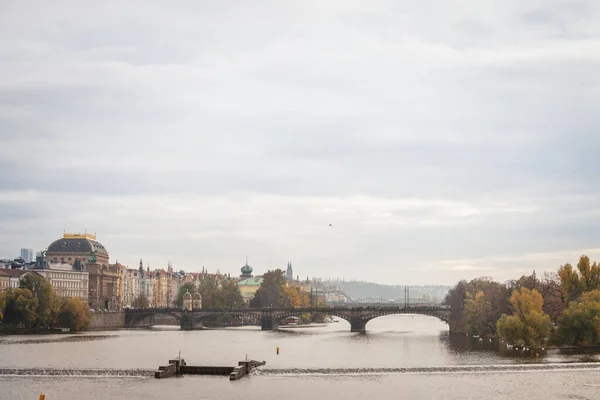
x=58, y=275
x=68, y=285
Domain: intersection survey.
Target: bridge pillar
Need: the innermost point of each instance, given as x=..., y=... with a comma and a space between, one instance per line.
x=268, y=323
x=187, y=323
x=357, y=324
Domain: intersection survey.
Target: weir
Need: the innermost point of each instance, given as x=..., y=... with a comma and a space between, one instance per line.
x=178, y=367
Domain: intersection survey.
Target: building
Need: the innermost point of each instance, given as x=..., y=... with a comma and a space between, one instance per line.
x=67, y=280
x=4, y=280
x=146, y=286
x=131, y=286
x=9, y=278
x=27, y=255
x=83, y=249
x=289, y=273
x=249, y=287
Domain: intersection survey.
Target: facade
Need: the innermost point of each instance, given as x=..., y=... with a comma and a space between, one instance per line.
x=132, y=286
x=146, y=286
x=14, y=276
x=187, y=301
x=248, y=288
x=82, y=249
x=4, y=280
x=66, y=280
x=27, y=255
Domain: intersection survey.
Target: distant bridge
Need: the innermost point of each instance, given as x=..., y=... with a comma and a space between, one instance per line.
x=269, y=317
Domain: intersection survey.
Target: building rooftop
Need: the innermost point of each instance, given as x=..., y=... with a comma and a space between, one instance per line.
x=76, y=243
x=255, y=281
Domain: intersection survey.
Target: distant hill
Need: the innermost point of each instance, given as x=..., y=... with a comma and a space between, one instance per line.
x=361, y=290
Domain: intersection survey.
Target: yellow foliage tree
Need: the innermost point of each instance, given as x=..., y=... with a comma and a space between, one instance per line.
x=528, y=324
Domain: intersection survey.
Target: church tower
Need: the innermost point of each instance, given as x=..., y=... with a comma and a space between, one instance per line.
x=289, y=274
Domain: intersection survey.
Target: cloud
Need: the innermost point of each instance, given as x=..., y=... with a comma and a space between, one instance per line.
x=201, y=134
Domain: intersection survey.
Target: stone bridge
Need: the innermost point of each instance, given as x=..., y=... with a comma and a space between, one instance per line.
x=269, y=317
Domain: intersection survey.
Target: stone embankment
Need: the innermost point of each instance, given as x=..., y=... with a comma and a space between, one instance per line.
x=104, y=321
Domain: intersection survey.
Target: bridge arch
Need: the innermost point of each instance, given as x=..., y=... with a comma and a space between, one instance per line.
x=359, y=324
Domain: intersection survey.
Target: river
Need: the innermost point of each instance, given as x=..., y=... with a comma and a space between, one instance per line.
x=400, y=357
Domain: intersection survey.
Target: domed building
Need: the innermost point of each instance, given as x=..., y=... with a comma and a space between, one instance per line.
x=197, y=301
x=74, y=247
x=187, y=301
x=85, y=253
x=246, y=271
x=248, y=284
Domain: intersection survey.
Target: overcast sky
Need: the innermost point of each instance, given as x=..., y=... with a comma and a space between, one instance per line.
x=441, y=139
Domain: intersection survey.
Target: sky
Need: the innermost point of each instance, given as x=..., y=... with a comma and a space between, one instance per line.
x=401, y=142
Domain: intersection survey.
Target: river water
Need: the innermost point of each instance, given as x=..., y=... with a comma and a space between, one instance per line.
x=400, y=357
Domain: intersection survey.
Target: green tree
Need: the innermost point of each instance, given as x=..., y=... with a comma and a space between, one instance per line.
x=209, y=290
x=271, y=292
x=20, y=307
x=528, y=323
x=186, y=287
x=230, y=294
x=580, y=322
x=73, y=314
x=141, y=302
x=43, y=291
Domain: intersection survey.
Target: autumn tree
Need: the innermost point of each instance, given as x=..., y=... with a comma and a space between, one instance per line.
x=295, y=297
x=73, y=314
x=585, y=278
x=528, y=322
x=47, y=302
x=580, y=322
x=20, y=307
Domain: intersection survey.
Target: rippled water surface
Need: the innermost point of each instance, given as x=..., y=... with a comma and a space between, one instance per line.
x=400, y=357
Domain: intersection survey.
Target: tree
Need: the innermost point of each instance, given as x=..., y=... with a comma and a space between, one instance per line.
x=484, y=308
x=270, y=293
x=209, y=289
x=73, y=314
x=295, y=297
x=2, y=304
x=580, y=322
x=554, y=296
x=576, y=282
x=528, y=323
x=231, y=296
x=20, y=307
x=141, y=301
x=455, y=299
x=186, y=287
x=43, y=291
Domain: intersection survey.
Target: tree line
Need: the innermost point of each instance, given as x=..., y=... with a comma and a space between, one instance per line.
x=35, y=306
x=559, y=308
